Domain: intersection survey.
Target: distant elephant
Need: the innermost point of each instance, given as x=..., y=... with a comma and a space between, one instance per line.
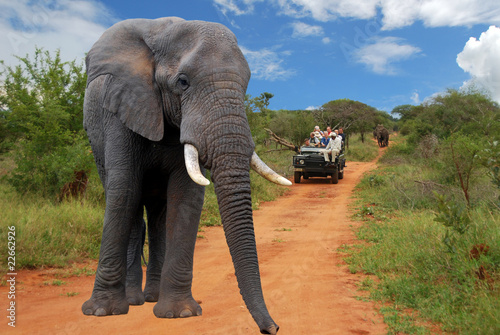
x=382, y=135
x=163, y=97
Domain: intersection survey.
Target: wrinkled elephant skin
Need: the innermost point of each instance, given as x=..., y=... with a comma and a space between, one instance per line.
x=165, y=101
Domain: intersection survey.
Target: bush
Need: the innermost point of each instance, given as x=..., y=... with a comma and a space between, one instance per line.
x=45, y=173
x=42, y=118
x=435, y=260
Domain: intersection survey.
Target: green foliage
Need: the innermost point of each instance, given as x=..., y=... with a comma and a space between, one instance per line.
x=49, y=234
x=459, y=155
x=352, y=116
x=491, y=159
x=42, y=105
x=295, y=126
x=420, y=244
x=471, y=113
x=258, y=115
x=453, y=216
x=359, y=151
x=46, y=173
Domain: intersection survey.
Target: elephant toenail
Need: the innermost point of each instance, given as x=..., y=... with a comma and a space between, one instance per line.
x=88, y=312
x=116, y=312
x=186, y=313
x=198, y=311
x=100, y=312
x=169, y=315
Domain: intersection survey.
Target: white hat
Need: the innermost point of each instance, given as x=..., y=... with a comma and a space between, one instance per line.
x=332, y=134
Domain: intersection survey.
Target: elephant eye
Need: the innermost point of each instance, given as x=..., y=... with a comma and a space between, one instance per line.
x=183, y=82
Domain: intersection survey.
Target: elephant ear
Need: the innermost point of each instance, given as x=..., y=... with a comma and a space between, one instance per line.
x=131, y=91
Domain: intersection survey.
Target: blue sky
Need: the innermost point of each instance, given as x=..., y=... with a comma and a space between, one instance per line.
x=383, y=53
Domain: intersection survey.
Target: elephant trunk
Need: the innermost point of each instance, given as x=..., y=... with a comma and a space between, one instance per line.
x=232, y=187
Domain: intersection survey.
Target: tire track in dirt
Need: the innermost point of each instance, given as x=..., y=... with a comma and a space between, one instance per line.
x=307, y=286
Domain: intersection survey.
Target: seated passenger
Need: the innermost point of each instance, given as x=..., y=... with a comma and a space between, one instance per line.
x=332, y=148
x=313, y=140
x=324, y=141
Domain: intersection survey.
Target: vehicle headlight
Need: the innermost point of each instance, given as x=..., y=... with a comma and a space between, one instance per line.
x=301, y=162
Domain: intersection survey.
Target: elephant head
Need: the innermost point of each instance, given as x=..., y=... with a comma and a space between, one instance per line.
x=192, y=76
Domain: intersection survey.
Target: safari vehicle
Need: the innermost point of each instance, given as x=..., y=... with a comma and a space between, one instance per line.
x=310, y=162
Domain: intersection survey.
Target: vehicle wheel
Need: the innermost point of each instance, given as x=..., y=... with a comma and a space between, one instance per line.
x=341, y=175
x=335, y=177
x=296, y=177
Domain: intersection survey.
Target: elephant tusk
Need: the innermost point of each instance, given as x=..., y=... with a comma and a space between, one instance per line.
x=193, y=165
x=265, y=171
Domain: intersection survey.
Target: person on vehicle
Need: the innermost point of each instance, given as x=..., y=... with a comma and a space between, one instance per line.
x=316, y=129
x=332, y=148
x=324, y=141
x=328, y=130
x=313, y=140
x=318, y=136
x=341, y=133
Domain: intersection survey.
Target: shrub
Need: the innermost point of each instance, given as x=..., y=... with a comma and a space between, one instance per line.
x=42, y=118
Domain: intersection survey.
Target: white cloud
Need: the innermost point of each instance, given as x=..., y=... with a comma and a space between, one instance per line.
x=439, y=13
x=383, y=53
x=396, y=13
x=266, y=64
x=71, y=26
x=313, y=108
x=328, y=10
x=326, y=40
x=237, y=7
x=301, y=29
x=415, y=97
x=480, y=58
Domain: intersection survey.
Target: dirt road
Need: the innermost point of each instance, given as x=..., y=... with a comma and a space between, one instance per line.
x=307, y=286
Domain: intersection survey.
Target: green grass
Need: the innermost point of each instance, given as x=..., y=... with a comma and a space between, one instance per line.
x=48, y=234
x=359, y=151
x=421, y=284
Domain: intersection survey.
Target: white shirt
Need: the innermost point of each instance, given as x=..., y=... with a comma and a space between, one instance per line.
x=335, y=144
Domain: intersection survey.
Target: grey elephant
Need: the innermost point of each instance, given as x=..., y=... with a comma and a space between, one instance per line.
x=165, y=101
x=382, y=135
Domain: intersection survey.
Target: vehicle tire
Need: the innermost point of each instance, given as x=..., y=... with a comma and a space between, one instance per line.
x=341, y=175
x=335, y=177
x=297, y=177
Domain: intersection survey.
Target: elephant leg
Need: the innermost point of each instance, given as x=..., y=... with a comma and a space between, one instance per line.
x=185, y=201
x=122, y=206
x=157, y=211
x=134, y=268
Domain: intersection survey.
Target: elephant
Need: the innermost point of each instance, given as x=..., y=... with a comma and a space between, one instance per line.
x=164, y=102
x=382, y=135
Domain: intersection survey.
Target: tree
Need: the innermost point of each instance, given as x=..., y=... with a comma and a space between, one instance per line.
x=41, y=102
x=353, y=116
x=454, y=111
x=293, y=125
x=258, y=114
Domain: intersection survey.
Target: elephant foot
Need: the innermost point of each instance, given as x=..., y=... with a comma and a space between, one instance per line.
x=102, y=304
x=177, y=309
x=151, y=295
x=152, y=290
x=134, y=296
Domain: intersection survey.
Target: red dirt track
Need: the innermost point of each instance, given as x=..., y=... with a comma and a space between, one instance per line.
x=307, y=286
